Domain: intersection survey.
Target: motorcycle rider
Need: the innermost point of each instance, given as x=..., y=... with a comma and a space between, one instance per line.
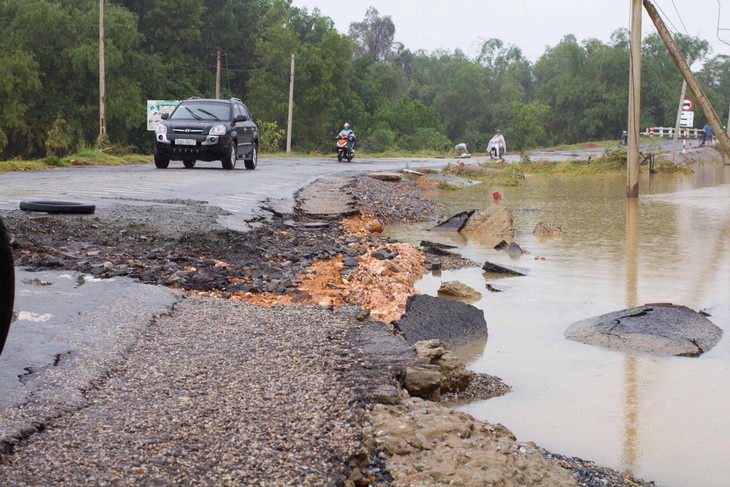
x=349, y=135
x=497, y=142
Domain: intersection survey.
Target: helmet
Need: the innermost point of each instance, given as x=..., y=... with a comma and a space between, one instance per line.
x=347, y=125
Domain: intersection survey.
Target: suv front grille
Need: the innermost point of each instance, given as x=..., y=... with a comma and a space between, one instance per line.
x=187, y=131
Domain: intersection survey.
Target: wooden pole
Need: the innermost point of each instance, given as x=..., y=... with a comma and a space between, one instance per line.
x=694, y=86
x=679, y=116
x=102, y=76
x=632, y=162
x=291, y=106
x=217, y=73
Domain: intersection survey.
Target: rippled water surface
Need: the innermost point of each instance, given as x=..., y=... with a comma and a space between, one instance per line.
x=662, y=419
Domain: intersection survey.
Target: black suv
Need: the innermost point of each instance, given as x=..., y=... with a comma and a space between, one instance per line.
x=207, y=130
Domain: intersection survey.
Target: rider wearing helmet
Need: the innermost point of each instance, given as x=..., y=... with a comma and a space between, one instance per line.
x=349, y=134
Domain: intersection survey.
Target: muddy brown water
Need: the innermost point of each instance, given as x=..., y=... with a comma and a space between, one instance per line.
x=659, y=418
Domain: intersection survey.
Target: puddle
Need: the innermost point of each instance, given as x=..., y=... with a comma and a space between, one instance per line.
x=659, y=418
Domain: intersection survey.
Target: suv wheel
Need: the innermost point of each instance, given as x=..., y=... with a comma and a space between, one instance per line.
x=230, y=160
x=189, y=163
x=161, y=162
x=252, y=161
x=7, y=284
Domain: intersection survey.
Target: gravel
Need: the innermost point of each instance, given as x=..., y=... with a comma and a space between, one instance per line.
x=216, y=393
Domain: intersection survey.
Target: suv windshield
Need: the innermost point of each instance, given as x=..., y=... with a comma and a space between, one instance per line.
x=202, y=111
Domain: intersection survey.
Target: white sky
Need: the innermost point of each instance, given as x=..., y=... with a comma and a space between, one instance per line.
x=531, y=25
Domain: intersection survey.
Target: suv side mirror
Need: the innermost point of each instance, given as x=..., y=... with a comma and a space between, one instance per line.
x=165, y=116
x=240, y=118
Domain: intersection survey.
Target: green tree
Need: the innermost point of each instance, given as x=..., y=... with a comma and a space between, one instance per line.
x=374, y=35
x=20, y=90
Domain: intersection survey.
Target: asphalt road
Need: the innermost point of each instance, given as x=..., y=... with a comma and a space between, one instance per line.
x=241, y=192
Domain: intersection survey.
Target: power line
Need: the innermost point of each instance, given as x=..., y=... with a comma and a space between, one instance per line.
x=718, y=24
x=667, y=17
x=680, y=18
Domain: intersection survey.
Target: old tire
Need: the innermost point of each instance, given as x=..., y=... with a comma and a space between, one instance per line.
x=58, y=207
x=252, y=161
x=7, y=284
x=229, y=161
x=189, y=163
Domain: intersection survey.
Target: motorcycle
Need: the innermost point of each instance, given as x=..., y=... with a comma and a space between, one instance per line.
x=343, y=150
x=495, y=150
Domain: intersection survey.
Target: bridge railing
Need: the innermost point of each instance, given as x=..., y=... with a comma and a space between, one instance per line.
x=668, y=132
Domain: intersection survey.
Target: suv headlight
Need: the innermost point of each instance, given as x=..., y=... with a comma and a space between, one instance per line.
x=161, y=129
x=218, y=130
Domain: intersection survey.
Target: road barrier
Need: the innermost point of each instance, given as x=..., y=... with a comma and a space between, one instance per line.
x=668, y=132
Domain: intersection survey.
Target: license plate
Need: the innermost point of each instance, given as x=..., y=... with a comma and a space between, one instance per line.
x=185, y=141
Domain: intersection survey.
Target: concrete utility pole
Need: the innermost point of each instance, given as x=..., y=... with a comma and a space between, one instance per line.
x=102, y=76
x=632, y=161
x=217, y=73
x=694, y=86
x=291, y=106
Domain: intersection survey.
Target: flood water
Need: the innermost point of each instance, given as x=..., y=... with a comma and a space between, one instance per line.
x=659, y=418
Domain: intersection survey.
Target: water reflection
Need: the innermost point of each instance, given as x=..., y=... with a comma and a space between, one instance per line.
x=660, y=418
x=631, y=404
x=631, y=418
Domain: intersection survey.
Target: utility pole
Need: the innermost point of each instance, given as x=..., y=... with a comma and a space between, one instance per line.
x=694, y=86
x=632, y=161
x=291, y=106
x=102, y=75
x=679, y=115
x=217, y=73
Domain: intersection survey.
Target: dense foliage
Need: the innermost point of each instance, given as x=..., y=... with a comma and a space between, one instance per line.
x=393, y=97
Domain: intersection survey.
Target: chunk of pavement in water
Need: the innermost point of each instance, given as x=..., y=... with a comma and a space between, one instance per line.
x=657, y=329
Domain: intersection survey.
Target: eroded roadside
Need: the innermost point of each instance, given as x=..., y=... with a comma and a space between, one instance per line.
x=227, y=379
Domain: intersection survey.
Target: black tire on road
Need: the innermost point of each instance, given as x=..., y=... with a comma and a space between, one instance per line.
x=339, y=156
x=252, y=161
x=189, y=163
x=229, y=162
x=58, y=207
x=161, y=162
x=7, y=284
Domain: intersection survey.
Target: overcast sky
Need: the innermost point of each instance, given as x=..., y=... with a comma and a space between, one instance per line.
x=531, y=25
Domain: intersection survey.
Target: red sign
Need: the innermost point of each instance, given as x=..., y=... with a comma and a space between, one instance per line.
x=687, y=105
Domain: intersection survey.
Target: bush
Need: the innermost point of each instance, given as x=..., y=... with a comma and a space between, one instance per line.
x=60, y=141
x=270, y=136
x=54, y=161
x=424, y=139
x=380, y=140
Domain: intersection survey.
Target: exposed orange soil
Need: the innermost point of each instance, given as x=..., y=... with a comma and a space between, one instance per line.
x=380, y=286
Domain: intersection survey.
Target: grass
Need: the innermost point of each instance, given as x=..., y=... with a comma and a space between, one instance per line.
x=84, y=157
